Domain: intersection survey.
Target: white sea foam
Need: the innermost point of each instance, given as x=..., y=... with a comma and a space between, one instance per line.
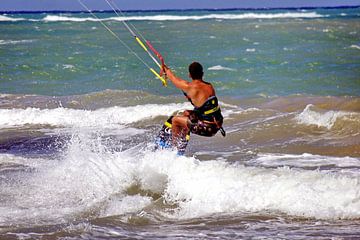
x=90, y=178
x=6, y=42
x=249, y=81
x=68, y=66
x=202, y=188
x=9, y=160
x=106, y=117
x=126, y=204
x=56, y=18
x=112, y=117
x=166, y=17
x=10, y=19
x=223, y=104
x=355, y=46
x=305, y=160
x=86, y=176
x=220, y=68
x=327, y=119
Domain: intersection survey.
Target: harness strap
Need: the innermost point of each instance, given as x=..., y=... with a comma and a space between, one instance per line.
x=222, y=131
x=212, y=110
x=167, y=124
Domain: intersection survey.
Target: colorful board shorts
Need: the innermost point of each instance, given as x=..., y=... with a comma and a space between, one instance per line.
x=202, y=127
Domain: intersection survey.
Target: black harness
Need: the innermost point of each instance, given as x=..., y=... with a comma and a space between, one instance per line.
x=209, y=112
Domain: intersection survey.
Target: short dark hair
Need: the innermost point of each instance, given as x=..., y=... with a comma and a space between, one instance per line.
x=196, y=70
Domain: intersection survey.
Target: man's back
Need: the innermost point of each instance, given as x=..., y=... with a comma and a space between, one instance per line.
x=199, y=91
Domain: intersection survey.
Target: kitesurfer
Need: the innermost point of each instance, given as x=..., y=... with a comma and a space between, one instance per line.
x=206, y=118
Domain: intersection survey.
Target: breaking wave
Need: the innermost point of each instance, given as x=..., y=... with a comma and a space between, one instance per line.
x=166, y=17
x=321, y=118
x=105, y=117
x=184, y=18
x=197, y=188
x=10, y=19
x=6, y=42
x=220, y=68
x=203, y=188
x=355, y=46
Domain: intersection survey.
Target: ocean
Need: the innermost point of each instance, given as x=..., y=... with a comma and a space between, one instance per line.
x=79, y=114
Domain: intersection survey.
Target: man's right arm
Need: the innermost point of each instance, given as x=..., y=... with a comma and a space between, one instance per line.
x=178, y=82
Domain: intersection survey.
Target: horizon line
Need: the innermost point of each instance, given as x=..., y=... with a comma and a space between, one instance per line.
x=175, y=10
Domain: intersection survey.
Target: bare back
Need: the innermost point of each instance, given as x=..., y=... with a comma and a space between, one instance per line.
x=199, y=91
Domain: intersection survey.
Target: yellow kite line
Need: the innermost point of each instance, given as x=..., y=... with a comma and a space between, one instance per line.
x=123, y=43
x=116, y=9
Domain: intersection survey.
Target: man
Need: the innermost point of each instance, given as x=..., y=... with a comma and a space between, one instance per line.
x=206, y=118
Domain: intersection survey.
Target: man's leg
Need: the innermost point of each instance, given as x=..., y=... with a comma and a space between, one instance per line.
x=179, y=129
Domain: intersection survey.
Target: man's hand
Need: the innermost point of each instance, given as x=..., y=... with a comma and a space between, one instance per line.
x=163, y=70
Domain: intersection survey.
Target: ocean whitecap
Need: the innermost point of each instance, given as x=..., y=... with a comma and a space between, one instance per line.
x=220, y=68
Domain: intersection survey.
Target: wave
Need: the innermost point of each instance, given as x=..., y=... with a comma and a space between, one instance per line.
x=203, y=188
x=54, y=18
x=314, y=116
x=10, y=19
x=355, y=46
x=57, y=18
x=250, y=50
x=305, y=160
x=223, y=16
x=104, y=117
x=220, y=68
x=6, y=42
x=198, y=188
x=66, y=117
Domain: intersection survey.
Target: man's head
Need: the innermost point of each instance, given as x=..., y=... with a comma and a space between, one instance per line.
x=196, y=70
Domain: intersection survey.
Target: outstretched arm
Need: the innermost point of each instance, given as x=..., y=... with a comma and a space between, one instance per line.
x=178, y=82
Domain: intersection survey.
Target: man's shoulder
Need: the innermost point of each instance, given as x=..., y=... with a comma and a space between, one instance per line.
x=200, y=84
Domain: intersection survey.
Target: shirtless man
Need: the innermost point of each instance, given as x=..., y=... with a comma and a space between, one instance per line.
x=205, y=119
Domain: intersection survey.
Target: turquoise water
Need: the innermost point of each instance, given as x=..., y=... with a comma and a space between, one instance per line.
x=259, y=54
